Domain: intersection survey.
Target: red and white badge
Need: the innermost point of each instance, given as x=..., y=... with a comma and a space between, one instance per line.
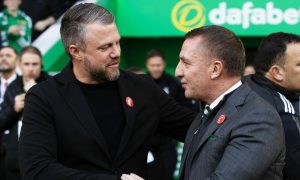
x=129, y=101
x=221, y=119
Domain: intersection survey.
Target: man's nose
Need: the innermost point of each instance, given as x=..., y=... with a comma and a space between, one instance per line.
x=179, y=71
x=116, y=52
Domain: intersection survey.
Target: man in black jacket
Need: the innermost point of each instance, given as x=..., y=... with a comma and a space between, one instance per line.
x=13, y=104
x=93, y=121
x=277, y=80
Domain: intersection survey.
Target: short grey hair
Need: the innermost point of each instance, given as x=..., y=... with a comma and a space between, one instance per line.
x=73, y=25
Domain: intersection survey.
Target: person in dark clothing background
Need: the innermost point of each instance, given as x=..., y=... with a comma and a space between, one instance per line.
x=8, y=63
x=163, y=149
x=13, y=104
x=277, y=79
x=43, y=14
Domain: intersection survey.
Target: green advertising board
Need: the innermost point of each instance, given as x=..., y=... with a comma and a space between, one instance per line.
x=173, y=18
x=176, y=17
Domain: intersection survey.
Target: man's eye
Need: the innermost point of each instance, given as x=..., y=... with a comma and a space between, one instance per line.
x=103, y=48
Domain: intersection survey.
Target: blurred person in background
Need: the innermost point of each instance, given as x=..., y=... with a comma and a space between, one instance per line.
x=15, y=26
x=277, y=80
x=8, y=63
x=156, y=66
x=43, y=14
x=13, y=105
x=249, y=69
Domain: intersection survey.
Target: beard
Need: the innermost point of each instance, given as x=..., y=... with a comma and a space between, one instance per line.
x=6, y=69
x=101, y=74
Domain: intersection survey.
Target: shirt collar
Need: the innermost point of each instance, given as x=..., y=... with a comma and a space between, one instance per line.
x=219, y=99
x=8, y=14
x=9, y=80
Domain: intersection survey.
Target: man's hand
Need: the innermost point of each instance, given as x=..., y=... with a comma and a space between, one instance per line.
x=131, y=177
x=40, y=25
x=14, y=30
x=19, y=102
x=29, y=84
x=43, y=24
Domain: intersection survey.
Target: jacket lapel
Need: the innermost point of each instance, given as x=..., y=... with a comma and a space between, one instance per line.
x=188, y=140
x=72, y=94
x=126, y=91
x=229, y=108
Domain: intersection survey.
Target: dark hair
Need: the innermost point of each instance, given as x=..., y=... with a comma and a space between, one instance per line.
x=14, y=50
x=73, y=25
x=272, y=51
x=223, y=44
x=155, y=53
x=32, y=50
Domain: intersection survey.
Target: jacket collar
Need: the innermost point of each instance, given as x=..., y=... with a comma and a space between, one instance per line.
x=72, y=93
x=263, y=81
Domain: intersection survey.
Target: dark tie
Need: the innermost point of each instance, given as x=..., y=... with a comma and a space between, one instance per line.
x=206, y=112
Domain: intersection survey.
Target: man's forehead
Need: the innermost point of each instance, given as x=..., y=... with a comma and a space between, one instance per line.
x=7, y=50
x=96, y=26
x=104, y=31
x=293, y=47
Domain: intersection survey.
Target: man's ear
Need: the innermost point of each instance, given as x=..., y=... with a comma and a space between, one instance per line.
x=277, y=73
x=75, y=52
x=215, y=69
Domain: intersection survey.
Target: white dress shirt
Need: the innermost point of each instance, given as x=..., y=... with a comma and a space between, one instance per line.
x=219, y=99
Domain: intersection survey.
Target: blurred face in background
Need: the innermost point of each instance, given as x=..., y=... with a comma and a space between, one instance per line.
x=31, y=66
x=291, y=68
x=8, y=60
x=156, y=66
x=12, y=5
x=249, y=70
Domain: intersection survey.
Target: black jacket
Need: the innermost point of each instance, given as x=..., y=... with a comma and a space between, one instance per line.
x=60, y=138
x=286, y=104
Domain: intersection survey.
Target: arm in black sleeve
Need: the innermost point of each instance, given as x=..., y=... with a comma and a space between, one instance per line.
x=38, y=145
x=8, y=115
x=292, y=141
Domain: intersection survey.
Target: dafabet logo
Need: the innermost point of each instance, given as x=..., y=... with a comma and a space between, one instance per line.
x=189, y=14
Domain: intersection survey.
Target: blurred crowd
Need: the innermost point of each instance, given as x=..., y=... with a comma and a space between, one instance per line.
x=22, y=21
